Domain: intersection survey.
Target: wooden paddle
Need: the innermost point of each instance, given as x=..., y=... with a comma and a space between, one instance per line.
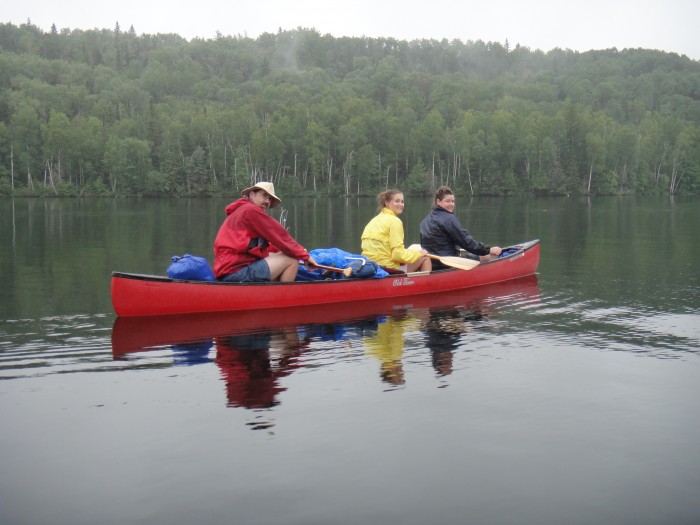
x=345, y=271
x=454, y=262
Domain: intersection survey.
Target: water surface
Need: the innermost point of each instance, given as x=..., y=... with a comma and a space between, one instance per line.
x=569, y=397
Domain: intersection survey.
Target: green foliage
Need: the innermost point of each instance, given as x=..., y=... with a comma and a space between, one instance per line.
x=127, y=162
x=107, y=113
x=419, y=181
x=5, y=187
x=158, y=184
x=96, y=188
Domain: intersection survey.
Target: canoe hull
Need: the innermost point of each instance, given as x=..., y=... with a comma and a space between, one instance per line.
x=146, y=295
x=136, y=334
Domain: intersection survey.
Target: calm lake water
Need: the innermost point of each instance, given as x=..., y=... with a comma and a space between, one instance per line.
x=568, y=398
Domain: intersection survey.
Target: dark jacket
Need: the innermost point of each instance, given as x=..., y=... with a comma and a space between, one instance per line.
x=441, y=233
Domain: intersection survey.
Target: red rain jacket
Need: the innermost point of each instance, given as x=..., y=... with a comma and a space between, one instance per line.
x=248, y=234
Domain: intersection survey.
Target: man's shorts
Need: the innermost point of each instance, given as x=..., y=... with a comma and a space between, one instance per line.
x=257, y=272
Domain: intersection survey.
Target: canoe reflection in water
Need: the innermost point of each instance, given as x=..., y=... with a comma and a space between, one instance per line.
x=254, y=350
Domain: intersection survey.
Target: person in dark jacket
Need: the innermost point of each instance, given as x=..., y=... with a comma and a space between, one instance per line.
x=442, y=234
x=251, y=246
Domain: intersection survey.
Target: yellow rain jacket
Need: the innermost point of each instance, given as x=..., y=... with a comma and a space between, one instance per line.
x=382, y=241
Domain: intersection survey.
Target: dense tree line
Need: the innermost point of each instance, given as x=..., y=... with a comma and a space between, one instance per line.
x=107, y=112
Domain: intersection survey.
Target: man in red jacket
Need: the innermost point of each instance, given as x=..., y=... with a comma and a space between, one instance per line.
x=251, y=246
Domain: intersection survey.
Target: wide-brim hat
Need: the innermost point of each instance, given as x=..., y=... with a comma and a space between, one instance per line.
x=267, y=187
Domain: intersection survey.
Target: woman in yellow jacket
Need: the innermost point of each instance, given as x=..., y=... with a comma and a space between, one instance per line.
x=382, y=240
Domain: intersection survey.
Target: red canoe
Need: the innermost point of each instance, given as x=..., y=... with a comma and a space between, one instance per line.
x=145, y=295
x=135, y=334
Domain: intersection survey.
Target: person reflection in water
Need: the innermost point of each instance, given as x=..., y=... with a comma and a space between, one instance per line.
x=252, y=365
x=444, y=330
x=387, y=345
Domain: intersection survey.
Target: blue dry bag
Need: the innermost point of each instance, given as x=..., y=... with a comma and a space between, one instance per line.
x=190, y=268
x=363, y=267
x=508, y=251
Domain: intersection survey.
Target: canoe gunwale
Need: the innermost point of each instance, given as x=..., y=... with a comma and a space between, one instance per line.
x=161, y=278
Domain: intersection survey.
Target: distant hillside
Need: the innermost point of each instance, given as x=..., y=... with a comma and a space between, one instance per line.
x=111, y=113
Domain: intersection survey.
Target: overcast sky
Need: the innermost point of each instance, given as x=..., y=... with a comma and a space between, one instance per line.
x=670, y=25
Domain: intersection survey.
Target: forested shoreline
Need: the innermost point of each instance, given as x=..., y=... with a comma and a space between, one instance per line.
x=111, y=113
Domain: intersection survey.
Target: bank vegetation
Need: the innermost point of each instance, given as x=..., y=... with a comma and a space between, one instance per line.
x=112, y=113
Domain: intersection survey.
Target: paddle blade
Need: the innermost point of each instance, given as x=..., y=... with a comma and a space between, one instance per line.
x=459, y=262
x=454, y=262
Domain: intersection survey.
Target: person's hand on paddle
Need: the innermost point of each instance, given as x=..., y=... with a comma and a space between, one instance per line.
x=311, y=263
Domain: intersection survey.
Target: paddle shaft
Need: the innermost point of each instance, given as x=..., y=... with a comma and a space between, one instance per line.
x=345, y=271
